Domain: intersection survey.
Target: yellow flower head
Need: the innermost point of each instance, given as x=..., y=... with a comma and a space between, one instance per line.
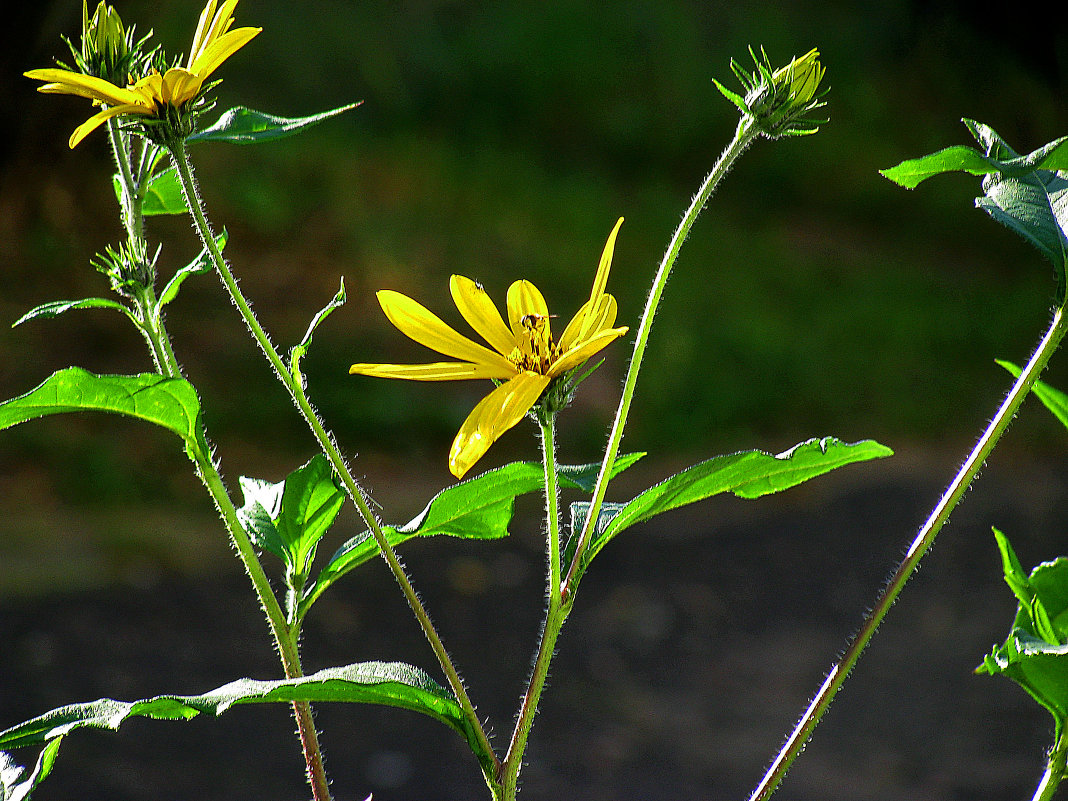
x=150, y=96
x=525, y=357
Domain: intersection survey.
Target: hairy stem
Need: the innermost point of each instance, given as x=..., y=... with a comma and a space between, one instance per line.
x=743, y=136
x=199, y=453
x=326, y=442
x=554, y=617
x=1055, y=770
x=920, y=545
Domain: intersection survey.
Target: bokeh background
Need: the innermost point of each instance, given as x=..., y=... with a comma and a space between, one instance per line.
x=502, y=140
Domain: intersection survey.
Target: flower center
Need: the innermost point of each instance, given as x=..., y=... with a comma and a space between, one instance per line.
x=537, y=351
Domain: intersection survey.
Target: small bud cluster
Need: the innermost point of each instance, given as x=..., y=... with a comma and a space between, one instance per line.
x=128, y=268
x=108, y=49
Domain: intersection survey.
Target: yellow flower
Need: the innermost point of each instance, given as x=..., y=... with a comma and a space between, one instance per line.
x=525, y=357
x=213, y=43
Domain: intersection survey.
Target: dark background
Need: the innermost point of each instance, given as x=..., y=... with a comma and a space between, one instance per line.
x=502, y=140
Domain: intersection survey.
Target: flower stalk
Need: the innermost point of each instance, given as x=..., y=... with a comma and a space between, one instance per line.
x=743, y=137
x=554, y=616
x=795, y=743
x=326, y=442
x=146, y=309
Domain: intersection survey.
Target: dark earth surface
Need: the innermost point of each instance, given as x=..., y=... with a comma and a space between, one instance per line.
x=695, y=644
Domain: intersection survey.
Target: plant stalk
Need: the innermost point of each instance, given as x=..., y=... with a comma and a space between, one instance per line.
x=555, y=616
x=920, y=545
x=743, y=136
x=163, y=355
x=180, y=158
x=1055, y=770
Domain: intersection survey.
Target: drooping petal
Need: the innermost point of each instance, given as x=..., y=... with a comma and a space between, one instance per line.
x=95, y=121
x=419, y=323
x=524, y=300
x=584, y=350
x=435, y=371
x=73, y=83
x=494, y=414
x=221, y=49
x=481, y=313
x=600, y=318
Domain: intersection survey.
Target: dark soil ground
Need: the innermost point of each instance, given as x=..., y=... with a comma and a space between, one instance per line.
x=694, y=647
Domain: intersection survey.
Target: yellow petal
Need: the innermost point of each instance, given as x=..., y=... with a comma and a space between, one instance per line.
x=212, y=25
x=524, y=299
x=73, y=83
x=200, y=38
x=221, y=49
x=603, y=316
x=179, y=86
x=94, y=122
x=481, y=313
x=419, y=323
x=435, y=371
x=580, y=353
x=600, y=281
x=494, y=414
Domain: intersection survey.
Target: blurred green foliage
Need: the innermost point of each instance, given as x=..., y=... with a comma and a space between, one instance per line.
x=501, y=140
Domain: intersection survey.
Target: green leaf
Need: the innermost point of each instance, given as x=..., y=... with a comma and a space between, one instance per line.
x=748, y=474
x=997, y=158
x=1035, y=207
x=1028, y=194
x=958, y=158
x=198, y=266
x=1035, y=654
x=478, y=508
x=297, y=353
x=168, y=402
x=289, y=518
x=57, y=307
x=13, y=785
x=242, y=125
x=386, y=683
x=163, y=195
x=1053, y=399
x=584, y=477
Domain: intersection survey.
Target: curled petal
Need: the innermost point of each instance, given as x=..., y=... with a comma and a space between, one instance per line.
x=524, y=300
x=419, y=323
x=584, y=350
x=602, y=316
x=481, y=313
x=494, y=414
x=179, y=86
x=435, y=371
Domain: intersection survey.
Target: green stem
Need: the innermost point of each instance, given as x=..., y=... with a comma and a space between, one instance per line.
x=163, y=355
x=487, y=758
x=555, y=616
x=1056, y=766
x=743, y=136
x=920, y=545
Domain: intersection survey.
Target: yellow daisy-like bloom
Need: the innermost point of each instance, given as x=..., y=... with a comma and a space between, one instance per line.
x=213, y=43
x=525, y=356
